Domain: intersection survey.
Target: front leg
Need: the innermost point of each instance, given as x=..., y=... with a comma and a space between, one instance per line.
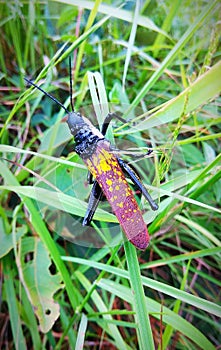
x=107, y=121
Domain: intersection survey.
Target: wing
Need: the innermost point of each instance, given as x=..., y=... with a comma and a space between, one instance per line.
x=104, y=166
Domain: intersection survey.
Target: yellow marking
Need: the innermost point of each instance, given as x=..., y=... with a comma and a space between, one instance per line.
x=100, y=162
x=120, y=205
x=135, y=210
x=115, y=197
x=109, y=182
x=115, y=164
x=105, y=166
x=102, y=166
x=98, y=168
x=110, y=189
x=117, y=188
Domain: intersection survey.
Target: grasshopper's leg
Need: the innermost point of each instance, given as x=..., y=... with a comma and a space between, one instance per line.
x=136, y=180
x=104, y=128
x=107, y=121
x=94, y=199
x=90, y=180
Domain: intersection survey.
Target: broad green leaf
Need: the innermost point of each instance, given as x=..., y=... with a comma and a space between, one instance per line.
x=38, y=281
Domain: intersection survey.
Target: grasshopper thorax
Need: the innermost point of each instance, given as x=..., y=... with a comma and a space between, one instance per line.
x=86, y=136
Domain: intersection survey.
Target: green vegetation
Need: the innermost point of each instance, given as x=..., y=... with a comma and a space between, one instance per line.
x=158, y=65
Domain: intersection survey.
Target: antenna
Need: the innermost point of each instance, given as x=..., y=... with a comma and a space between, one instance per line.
x=47, y=94
x=71, y=85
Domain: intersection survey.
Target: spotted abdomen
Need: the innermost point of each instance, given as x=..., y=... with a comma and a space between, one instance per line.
x=105, y=168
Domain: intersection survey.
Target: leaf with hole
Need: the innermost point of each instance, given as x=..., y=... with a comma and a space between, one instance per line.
x=40, y=284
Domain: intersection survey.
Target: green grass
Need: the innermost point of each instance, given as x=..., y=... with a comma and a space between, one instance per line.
x=158, y=65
